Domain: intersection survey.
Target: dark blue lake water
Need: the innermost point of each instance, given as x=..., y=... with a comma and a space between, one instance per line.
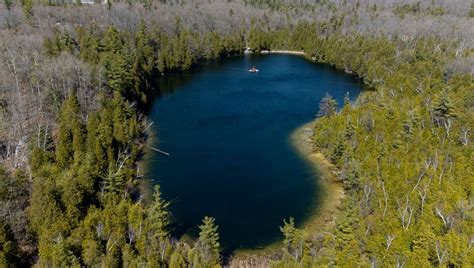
x=227, y=132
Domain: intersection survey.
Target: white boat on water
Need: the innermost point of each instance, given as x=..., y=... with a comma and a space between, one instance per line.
x=253, y=70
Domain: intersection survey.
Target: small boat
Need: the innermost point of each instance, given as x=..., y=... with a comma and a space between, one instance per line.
x=253, y=70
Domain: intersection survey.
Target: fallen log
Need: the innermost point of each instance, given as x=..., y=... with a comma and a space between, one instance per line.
x=158, y=150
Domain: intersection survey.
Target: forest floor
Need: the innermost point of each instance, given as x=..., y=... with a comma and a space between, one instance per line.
x=322, y=219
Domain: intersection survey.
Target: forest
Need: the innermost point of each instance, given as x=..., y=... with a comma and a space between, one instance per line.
x=76, y=80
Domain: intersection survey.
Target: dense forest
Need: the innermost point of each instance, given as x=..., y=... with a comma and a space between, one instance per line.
x=75, y=80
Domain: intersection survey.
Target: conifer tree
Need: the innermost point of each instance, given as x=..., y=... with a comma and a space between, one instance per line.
x=293, y=238
x=27, y=7
x=8, y=4
x=444, y=109
x=70, y=143
x=114, y=181
x=327, y=106
x=144, y=63
x=9, y=252
x=350, y=175
x=158, y=215
x=177, y=259
x=208, y=243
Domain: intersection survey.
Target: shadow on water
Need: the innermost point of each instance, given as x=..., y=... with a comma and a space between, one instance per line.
x=230, y=157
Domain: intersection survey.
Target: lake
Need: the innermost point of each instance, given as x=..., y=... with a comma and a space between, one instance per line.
x=227, y=132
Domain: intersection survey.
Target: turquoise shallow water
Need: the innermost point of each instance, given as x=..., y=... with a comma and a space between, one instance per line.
x=227, y=133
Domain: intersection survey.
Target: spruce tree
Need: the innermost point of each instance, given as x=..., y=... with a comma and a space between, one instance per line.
x=158, y=215
x=444, y=108
x=208, y=243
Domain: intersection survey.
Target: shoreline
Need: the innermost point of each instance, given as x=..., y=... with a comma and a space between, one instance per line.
x=290, y=52
x=322, y=218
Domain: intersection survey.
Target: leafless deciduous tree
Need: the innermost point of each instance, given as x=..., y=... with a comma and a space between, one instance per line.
x=388, y=240
x=440, y=253
x=33, y=95
x=405, y=212
x=448, y=220
x=464, y=137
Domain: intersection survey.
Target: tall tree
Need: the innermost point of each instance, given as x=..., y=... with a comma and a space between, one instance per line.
x=208, y=243
x=293, y=238
x=444, y=109
x=327, y=106
x=71, y=138
x=158, y=215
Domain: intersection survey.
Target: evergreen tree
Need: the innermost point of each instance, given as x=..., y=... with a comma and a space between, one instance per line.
x=27, y=7
x=350, y=175
x=8, y=4
x=208, y=243
x=9, y=252
x=89, y=44
x=337, y=153
x=158, y=215
x=293, y=238
x=114, y=181
x=177, y=259
x=71, y=138
x=113, y=42
x=144, y=63
x=444, y=109
x=327, y=106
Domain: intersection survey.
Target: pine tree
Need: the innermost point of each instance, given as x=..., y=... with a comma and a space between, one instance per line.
x=208, y=243
x=327, y=106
